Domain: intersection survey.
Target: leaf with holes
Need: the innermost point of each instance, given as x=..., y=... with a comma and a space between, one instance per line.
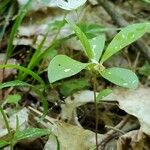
x=120, y=76
x=125, y=37
x=97, y=45
x=63, y=66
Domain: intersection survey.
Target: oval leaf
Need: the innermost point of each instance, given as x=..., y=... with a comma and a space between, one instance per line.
x=120, y=76
x=97, y=45
x=63, y=66
x=83, y=39
x=125, y=37
x=13, y=99
x=30, y=133
x=70, y=4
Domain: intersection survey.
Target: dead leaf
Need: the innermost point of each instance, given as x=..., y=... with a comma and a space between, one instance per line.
x=72, y=137
x=135, y=140
x=136, y=103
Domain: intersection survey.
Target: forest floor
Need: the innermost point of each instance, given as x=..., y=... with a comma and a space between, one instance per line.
x=32, y=35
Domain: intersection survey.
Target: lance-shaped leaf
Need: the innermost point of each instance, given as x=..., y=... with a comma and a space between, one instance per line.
x=63, y=66
x=30, y=133
x=125, y=37
x=3, y=143
x=97, y=45
x=120, y=76
x=83, y=39
x=103, y=94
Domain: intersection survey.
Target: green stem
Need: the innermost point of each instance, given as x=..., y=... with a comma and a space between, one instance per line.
x=96, y=111
x=7, y=126
x=5, y=119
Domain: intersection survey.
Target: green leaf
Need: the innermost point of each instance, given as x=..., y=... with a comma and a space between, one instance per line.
x=125, y=37
x=97, y=45
x=26, y=70
x=69, y=87
x=83, y=39
x=3, y=143
x=15, y=27
x=63, y=66
x=13, y=99
x=30, y=133
x=91, y=30
x=16, y=83
x=145, y=70
x=120, y=76
x=103, y=94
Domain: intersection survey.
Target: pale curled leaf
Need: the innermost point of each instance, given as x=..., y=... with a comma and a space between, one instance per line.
x=70, y=4
x=63, y=66
x=125, y=37
x=120, y=76
x=22, y=116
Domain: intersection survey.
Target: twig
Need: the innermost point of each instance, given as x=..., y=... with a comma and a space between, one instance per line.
x=120, y=21
x=112, y=133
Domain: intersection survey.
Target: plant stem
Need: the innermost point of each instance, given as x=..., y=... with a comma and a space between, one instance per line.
x=7, y=126
x=96, y=111
x=5, y=119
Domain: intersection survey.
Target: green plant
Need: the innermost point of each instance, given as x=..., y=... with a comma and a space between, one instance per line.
x=63, y=66
x=19, y=135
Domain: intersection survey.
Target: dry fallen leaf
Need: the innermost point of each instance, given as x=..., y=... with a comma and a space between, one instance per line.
x=136, y=140
x=136, y=103
x=72, y=137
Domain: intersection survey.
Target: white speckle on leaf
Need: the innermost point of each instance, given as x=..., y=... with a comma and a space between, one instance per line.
x=109, y=72
x=116, y=47
x=133, y=81
x=125, y=84
x=94, y=46
x=123, y=36
x=94, y=61
x=66, y=70
x=133, y=36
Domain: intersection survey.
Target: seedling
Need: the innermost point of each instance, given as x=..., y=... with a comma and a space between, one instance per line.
x=63, y=66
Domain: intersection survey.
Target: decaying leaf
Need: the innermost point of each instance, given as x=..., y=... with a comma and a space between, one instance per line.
x=65, y=135
x=134, y=102
x=72, y=102
x=73, y=137
x=136, y=140
x=22, y=116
